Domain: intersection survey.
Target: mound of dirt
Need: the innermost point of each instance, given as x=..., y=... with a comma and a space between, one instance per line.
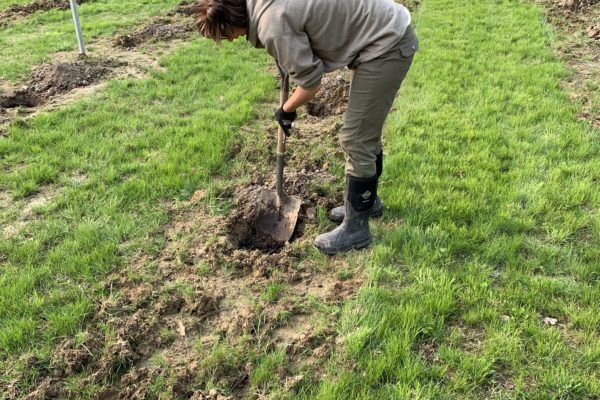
x=47, y=81
x=161, y=29
x=332, y=99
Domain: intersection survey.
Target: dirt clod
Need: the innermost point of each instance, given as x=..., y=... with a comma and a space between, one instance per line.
x=48, y=80
x=332, y=99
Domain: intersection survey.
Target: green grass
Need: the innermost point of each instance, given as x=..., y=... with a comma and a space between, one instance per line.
x=32, y=40
x=139, y=144
x=496, y=184
x=8, y=3
x=492, y=224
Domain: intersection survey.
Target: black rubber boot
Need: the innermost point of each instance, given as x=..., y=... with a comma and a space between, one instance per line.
x=354, y=231
x=337, y=214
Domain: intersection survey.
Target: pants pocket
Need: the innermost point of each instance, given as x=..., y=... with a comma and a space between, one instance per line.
x=409, y=44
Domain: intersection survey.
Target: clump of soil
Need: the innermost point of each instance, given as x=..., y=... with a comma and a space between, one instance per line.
x=332, y=99
x=593, y=32
x=161, y=29
x=47, y=81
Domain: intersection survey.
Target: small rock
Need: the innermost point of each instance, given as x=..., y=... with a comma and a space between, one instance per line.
x=504, y=318
x=311, y=213
x=550, y=321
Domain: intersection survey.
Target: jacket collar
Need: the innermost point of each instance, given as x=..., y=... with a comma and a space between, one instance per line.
x=256, y=9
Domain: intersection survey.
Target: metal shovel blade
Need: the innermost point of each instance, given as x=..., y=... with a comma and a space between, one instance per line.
x=277, y=215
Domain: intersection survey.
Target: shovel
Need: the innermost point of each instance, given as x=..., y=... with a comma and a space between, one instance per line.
x=278, y=213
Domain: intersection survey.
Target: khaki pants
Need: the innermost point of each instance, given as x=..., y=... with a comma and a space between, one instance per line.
x=372, y=93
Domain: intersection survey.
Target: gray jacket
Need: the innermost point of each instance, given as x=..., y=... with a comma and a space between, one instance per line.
x=310, y=37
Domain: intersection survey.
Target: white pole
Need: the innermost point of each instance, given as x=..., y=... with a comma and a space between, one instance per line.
x=77, y=27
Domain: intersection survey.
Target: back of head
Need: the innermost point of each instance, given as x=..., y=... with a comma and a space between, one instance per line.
x=215, y=19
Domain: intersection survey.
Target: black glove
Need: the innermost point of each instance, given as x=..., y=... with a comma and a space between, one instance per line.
x=285, y=120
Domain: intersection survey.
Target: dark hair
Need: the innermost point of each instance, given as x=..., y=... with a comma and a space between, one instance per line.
x=215, y=19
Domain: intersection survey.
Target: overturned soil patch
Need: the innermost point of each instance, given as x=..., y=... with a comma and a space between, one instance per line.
x=576, y=5
x=578, y=44
x=22, y=10
x=184, y=8
x=48, y=81
x=332, y=99
x=162, y=30
x=169, y=310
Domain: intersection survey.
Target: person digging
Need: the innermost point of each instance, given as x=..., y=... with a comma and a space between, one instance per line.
x=307, y=38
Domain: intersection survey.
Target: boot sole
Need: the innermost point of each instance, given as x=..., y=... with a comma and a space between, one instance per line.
x=356, y=246
x=377, y=214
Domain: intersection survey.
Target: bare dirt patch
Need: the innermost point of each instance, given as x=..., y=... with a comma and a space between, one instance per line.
x=578, y=25
x=160, y=30
x=26, y=210
x=185, y=8
x=5, y=199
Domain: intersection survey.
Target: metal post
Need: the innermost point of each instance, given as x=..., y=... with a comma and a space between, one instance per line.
x=77, y=27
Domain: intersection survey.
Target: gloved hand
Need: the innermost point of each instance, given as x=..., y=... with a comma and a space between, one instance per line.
x=285, y=120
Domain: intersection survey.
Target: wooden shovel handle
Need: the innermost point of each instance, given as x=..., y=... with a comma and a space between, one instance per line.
x=283, y=98
x=285, y=92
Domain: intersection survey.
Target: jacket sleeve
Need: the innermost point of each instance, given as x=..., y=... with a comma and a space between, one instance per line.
x=294, y=54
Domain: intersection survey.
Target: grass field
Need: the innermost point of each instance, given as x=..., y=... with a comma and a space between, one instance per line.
x=482, y=281
x=29, y=41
